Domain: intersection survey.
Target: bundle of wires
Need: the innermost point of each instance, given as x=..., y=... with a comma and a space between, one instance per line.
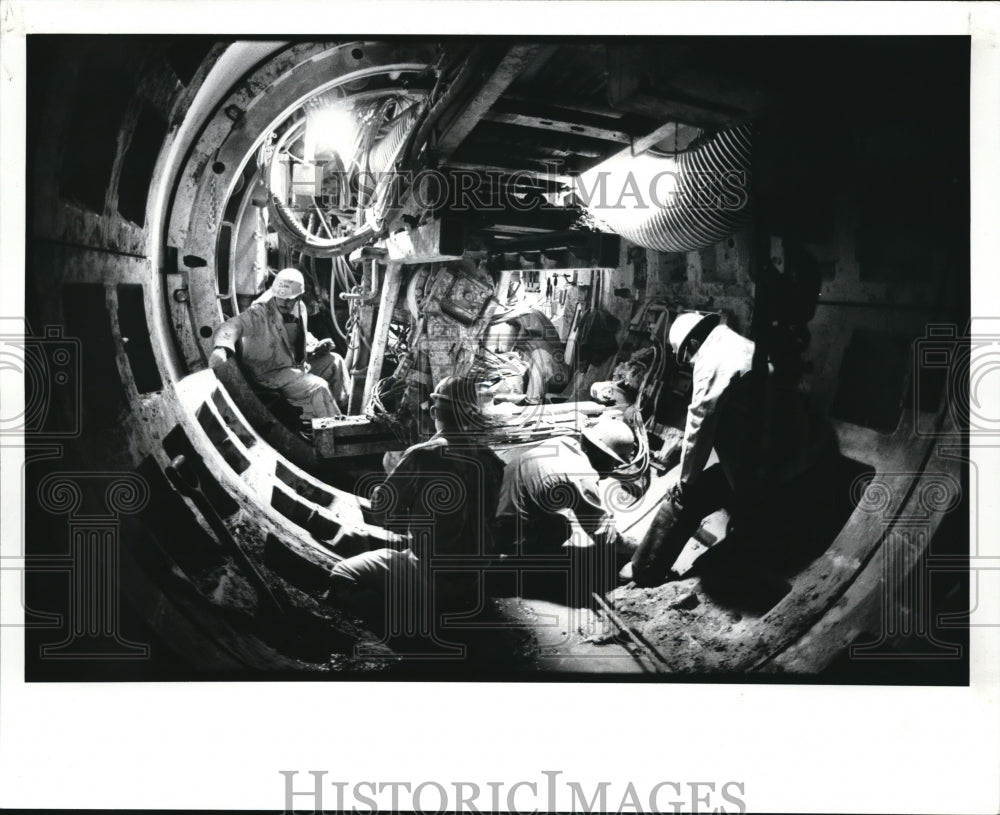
x=636, y=473
x=489, y=366
x=390, y=390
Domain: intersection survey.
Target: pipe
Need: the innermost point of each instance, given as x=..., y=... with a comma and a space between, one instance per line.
x=657, y=659
x=302, y=241
x=383, y=155
x=710, y=200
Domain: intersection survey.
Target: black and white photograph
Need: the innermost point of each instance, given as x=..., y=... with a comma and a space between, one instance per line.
x=500, y=360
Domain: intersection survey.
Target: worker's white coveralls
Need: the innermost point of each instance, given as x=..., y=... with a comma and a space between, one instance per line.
x=275, y=357
x=753, y=473
x=720, y=415
x=719, y=379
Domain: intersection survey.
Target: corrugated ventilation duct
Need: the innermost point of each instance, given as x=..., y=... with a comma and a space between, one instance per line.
x=383, y=155
x=674, y=204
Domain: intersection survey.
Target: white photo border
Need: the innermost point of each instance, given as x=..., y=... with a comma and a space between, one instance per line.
x=222, y=745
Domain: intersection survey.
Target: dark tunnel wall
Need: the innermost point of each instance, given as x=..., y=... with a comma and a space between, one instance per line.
x=124, y=139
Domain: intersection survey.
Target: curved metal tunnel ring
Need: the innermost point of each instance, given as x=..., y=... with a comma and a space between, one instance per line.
x=235, y=99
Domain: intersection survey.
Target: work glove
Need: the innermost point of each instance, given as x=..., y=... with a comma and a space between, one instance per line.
x=324, y=346
x=678, y=494
x=218, y=357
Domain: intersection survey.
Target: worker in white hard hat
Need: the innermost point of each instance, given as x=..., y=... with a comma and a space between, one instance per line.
x=277, y=350
x=550, y=498
x=725, y=414
x=440, y=499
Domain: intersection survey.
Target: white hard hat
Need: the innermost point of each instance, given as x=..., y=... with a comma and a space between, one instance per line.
x=612, y=437
x=288, y=284
x=683, y=327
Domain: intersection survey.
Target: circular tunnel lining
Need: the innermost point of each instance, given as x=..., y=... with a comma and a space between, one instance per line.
x=249, y=465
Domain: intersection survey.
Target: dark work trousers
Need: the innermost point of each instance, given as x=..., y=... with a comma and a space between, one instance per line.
x=780, y=526
x=677, y=519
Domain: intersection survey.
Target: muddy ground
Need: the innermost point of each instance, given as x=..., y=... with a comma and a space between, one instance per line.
x=701, y=624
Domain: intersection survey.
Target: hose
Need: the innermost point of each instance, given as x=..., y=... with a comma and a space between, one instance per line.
x=344, y=273
x=302, y=241
x=382, y=155
x=432, y=114
x=332, y=306
x=711, y=200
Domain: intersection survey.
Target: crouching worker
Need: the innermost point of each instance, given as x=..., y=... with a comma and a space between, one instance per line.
x=756, y=482
x=278, y=352
x=551, y=503
x=440, y=497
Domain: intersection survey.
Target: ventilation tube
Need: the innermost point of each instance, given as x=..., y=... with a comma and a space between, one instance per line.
x=383, y=155
x=678, y=204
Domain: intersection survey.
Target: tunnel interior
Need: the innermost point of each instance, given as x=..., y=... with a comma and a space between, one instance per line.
x=170, y=177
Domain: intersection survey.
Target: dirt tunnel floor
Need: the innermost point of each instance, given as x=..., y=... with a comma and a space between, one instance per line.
x=693, y=630
x=690, y=632
x=701, y=624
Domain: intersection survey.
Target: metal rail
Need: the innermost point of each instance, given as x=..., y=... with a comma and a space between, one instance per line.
x=660, y=664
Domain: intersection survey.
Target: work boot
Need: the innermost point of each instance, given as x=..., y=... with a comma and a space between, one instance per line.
x=625, y=549
x=625, y=576
x=678, y=518
x=672, y=527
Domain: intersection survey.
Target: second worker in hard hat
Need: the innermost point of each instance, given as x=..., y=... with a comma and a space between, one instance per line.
x=550, y=497
x=440, y=499
x=277, y=351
